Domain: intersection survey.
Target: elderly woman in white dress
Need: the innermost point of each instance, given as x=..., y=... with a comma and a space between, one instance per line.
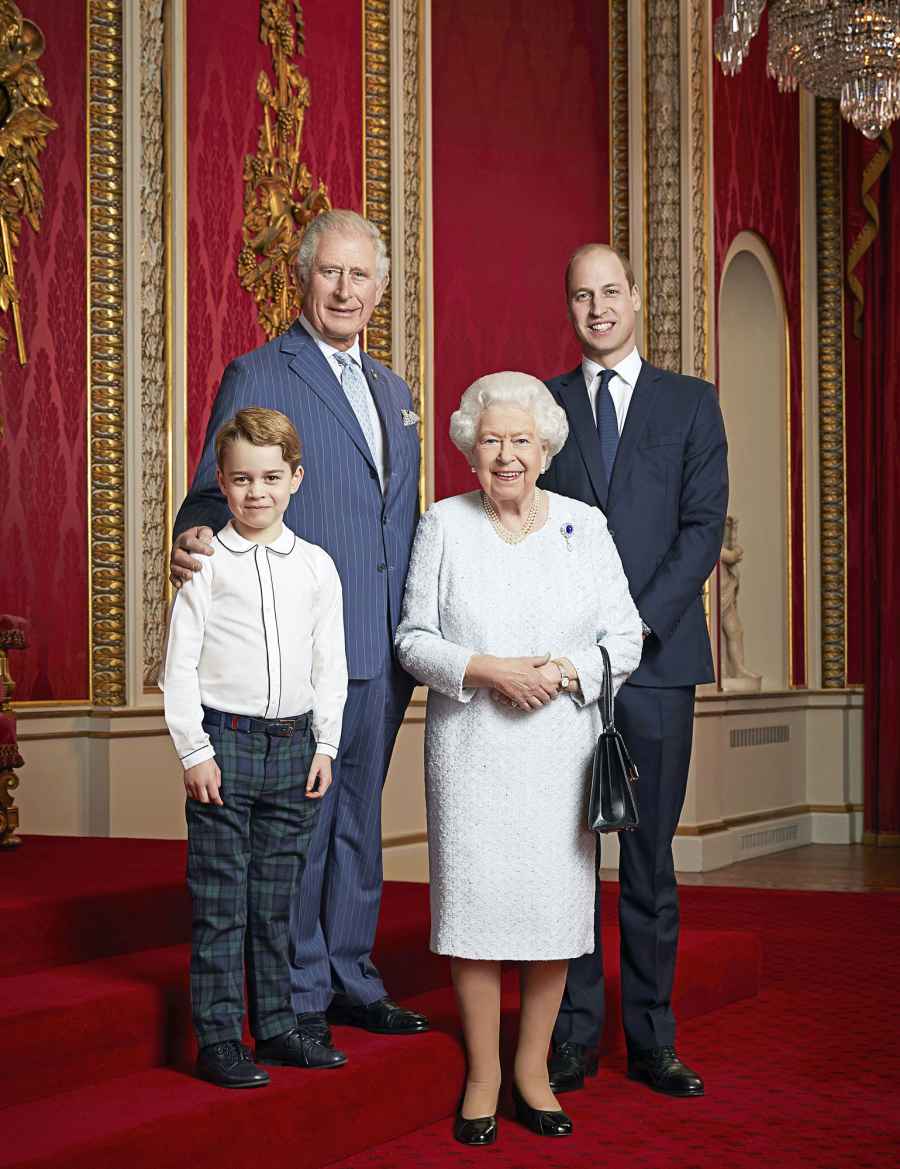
x=510, y=591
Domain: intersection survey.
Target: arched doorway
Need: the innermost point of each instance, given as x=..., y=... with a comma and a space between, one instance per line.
x=753, y=385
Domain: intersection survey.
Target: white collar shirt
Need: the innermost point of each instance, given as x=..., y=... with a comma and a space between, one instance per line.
x=354, y=353
x=621, y=387
x=258, y=631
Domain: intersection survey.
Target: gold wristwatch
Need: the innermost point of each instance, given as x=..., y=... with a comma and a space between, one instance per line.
x=564, y=680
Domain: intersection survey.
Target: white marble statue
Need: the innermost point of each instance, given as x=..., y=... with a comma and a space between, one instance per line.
x=736, y=674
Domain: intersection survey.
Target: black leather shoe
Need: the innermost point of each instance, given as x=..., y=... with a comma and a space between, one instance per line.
x=663, y=1071
x=301, y=1047
x=383, y=1017
x=230, y=1065
x=482, y=1130
x=539, y=1120
x=569, y=1064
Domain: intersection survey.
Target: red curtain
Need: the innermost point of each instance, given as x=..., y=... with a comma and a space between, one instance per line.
x=873, y=398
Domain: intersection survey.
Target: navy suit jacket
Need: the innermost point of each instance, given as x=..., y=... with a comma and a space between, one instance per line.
x=340, y=505
x=665, y=507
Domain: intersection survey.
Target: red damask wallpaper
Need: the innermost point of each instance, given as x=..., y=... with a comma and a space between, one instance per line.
x=43, y=491
x=756, y=169
x=224, y=59
x=520, y=112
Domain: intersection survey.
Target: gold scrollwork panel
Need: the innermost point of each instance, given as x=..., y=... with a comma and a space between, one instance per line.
x=831, y=393
x=106, y=367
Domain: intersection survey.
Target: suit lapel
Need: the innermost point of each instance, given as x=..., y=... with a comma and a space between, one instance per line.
x=582, y=426
x=639, y=410
x=310, y=364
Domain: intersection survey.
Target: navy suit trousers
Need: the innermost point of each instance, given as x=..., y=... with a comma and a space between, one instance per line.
x=335, y=914
x=657, y=726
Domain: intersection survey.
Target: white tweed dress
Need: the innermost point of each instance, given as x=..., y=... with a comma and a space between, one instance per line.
x=511, y=859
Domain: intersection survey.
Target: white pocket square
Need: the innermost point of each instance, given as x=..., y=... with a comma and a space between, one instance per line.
x=410, y=417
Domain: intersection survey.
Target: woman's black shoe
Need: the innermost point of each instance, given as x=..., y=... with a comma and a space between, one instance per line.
x=544, y=1123
x=480, y=1131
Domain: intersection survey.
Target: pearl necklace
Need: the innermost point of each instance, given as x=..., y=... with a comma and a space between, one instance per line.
x=505, y=534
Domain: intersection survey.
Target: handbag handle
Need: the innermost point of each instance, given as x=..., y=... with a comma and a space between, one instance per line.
x=605, y=701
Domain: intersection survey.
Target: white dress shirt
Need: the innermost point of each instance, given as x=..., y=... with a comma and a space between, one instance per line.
x=621, y=387
x=258, y=631
x=329, y=352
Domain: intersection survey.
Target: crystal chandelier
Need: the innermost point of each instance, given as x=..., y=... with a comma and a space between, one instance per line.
x=843, y=49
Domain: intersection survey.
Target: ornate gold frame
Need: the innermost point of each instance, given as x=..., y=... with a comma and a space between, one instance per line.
x=376, y=16
x=105, y=356
x=662, y=182
x=832, y=455
x=619, y=226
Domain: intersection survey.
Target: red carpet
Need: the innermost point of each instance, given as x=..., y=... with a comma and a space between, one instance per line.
x=803, y=1076
x=96, y=1039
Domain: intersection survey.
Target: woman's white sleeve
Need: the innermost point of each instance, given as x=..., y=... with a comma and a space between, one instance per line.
x=422, y=648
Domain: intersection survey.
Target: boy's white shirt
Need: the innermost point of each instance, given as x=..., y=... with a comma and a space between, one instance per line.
x=258, y=631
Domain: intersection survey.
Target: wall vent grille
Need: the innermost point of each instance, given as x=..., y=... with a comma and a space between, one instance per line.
x=769, y=836
x=760, y=736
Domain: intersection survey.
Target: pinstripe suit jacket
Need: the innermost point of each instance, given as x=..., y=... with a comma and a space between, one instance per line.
x=340, y=505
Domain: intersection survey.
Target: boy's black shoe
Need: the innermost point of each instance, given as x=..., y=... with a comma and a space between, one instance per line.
x=230, y=1065
x=569, y=1064
x=301, y=1047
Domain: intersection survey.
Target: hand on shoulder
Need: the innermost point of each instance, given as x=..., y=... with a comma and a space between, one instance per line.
x=192, y=542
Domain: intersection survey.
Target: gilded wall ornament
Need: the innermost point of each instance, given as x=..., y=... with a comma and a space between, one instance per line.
x=279, y=196
x=24, y=127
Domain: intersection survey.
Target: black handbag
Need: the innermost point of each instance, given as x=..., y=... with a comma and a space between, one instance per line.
x=613, y=805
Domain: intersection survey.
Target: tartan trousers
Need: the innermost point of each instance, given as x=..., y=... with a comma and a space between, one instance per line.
x=244, y=863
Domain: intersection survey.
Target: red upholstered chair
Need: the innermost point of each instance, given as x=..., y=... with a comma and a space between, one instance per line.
x=13, y=632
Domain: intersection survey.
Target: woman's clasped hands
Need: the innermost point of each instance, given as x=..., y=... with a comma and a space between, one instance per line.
x=525, y=683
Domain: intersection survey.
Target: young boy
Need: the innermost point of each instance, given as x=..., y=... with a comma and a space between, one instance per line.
x=255, y=680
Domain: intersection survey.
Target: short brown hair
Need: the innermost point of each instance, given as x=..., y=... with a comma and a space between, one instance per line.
x=261, y=427
x=620, y=255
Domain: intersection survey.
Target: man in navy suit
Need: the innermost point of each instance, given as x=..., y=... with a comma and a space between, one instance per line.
x=647, y=447
x=360, y=503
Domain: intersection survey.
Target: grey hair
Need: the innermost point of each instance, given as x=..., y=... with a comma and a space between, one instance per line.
x=347, y=223
x=509, y=389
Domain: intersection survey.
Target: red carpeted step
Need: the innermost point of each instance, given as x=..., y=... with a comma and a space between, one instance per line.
x=84, y=1024
x=390, y=1087
x=78, y=1025
x=66, y=900
x=72, y=899
x=165, y=1118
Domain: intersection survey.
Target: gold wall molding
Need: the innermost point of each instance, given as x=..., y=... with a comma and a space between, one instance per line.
x=787, y=813
x=619, y=206
x=413, y=115
x=698, y=163
x=832, y=498
x=662, y=171
x=105, y=351
x=154, y=380
x=377, y=155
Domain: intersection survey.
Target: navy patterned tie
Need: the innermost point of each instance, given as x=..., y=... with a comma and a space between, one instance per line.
x=607, y=423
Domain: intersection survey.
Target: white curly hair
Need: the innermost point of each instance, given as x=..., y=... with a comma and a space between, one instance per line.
x=509, y=389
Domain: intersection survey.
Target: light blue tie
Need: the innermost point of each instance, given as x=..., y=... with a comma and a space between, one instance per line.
x=356, y=389
x=607, y=422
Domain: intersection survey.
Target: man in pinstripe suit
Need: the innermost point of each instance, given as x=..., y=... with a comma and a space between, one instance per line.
x=359, y=503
